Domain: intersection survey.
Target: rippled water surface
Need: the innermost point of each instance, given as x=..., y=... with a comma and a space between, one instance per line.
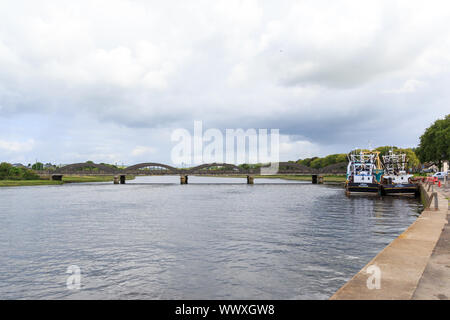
x=216, y=238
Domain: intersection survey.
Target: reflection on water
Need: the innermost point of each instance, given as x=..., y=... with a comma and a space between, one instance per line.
x=226, y=240
x=209, y=180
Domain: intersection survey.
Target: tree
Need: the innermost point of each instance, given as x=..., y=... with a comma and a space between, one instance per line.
x=38, y=166
x=4, y=170
x=434, y=144
x=8, y=172
x=411, y=157
x=317, y=163
x=385, y=150
x=307, y=161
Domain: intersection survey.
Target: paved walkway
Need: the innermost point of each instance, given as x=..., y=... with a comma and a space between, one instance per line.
x=435, y=281
x=416, y=265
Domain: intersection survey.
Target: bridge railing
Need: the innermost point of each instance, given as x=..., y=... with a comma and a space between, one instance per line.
x=204, y=169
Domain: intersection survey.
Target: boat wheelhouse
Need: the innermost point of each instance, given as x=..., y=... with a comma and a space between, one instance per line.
x=364, y=173
x=396, y=181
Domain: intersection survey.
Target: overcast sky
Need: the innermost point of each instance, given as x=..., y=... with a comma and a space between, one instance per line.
x=110, y=80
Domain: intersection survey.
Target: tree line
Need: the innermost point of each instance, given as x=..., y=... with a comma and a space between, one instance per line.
x=434, y=148
x=9, y=172
x=434, y=144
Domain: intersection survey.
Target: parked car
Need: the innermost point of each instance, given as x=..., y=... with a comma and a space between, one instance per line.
x=440, y=175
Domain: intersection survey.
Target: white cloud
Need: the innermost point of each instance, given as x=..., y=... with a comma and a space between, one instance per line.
x=297, y=149
x=409, y=86
x=15, y=146
x=142, y=150
x=311, y=69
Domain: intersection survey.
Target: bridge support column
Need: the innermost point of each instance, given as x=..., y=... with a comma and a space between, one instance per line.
x=122, y=179
x=320, y=180
x=250, y=180
x=183, y=179
x=116, y=179
x=57, y=177
x=314, y=178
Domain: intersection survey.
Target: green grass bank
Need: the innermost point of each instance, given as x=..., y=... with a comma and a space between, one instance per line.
x=65, y=179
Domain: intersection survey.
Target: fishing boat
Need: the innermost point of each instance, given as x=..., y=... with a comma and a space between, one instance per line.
x=396, y=181
x=364, y=173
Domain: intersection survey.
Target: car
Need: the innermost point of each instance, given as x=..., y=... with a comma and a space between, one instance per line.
x=440, y=175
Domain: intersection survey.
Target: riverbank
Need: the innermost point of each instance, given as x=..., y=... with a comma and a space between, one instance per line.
x=19, y=183
x=414, y=265
x=65, y=179
x=326, y=178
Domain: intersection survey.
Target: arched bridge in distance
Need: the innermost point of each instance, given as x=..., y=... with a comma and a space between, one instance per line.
x=209, y=169
x=153, y=168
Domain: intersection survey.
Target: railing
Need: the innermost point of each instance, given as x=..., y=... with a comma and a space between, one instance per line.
x=430, y=185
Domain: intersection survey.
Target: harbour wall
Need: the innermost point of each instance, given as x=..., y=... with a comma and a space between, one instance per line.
x=395, y=273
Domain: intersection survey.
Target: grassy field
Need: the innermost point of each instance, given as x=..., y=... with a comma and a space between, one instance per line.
x=66, y=179
x=18, y=183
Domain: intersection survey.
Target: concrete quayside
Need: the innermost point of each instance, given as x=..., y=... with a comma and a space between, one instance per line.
x=416, y=265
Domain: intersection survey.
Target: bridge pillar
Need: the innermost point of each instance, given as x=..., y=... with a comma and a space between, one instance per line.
x=250, y=179
x=183, y=179
x=320, y=180
x=122, y=179
x=57, y=177
x=314, y=178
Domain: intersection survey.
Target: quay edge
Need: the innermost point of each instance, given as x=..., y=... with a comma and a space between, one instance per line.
x=403, y=262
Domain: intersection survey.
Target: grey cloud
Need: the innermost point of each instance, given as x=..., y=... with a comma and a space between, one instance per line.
x=253, y=66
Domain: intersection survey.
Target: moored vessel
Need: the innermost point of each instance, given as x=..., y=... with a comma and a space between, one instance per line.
x=364, y=173
x=396, y=181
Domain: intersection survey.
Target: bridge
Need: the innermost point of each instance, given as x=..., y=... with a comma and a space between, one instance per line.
x=209, y=169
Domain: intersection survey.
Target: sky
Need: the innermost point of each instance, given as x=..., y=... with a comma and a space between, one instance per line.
x=109, y=81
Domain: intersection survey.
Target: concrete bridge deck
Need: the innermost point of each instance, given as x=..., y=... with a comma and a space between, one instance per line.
x=209, y=169
x=152, y=168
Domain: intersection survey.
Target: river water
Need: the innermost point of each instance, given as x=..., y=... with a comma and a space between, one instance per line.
x=216, y=238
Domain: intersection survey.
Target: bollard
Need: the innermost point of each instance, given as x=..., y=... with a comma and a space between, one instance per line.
x=249, y=180
x=320, y=180
x=184, y=179
x=436, y=206
x=122, y=179
x=116, y=180
x=314, y=178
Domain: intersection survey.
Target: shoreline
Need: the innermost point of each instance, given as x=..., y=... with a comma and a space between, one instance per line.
x=335, y=179
x=330, y=179
x=66, y=179
x=402, y=264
